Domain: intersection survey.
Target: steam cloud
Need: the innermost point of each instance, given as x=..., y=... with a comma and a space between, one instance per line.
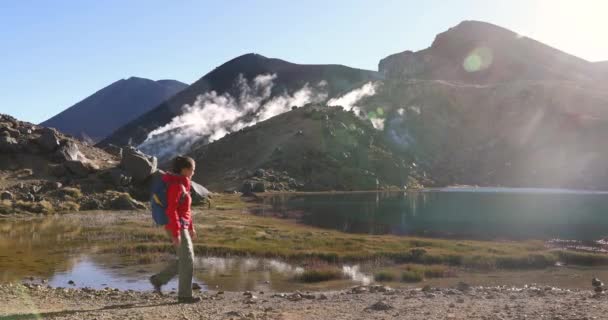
x=349, y=100
x=212, y=115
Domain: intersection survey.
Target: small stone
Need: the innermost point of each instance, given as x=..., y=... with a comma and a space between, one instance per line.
x=6, y=195
x=380, y=306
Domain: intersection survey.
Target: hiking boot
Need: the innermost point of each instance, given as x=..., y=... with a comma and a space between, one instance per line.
x=157, y=286
x=188, y=299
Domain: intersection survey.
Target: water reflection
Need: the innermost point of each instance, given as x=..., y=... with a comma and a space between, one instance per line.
x=476, y=213
x=211, y=273
x=36, y=247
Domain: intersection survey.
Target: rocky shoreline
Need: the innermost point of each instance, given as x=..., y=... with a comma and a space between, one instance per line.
x=33, y=301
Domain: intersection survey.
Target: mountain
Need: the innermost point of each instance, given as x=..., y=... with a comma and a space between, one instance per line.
x=225, y=78
x=312, y=148
x=106, y=110
x=602, y=67
x=519, y=114
x=483, y=53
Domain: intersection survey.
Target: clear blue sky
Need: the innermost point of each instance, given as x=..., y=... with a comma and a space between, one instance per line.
x=55, y=53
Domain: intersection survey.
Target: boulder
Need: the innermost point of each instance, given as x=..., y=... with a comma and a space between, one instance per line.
x=117, y=177
x=58, y=170
x=10, y=131
x=125, y=202
x=48, y=139
x=259, y=187
x=113, y=150
x=6, y=195
x=137, y=164
x=247, y=187
x=67, y=151
x=78, y=168
x=91, y=204
x=25, y=130
x=7, y=144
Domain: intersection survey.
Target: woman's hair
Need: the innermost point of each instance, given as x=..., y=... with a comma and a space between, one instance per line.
x=181, y=162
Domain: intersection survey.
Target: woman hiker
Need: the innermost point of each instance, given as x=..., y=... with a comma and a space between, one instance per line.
x=180, y=229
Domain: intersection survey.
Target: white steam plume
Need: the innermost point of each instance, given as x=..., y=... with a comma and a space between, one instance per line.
x=212, y=115
x=350, y=99
x=349, y=102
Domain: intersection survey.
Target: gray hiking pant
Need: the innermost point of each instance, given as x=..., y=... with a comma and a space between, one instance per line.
x=183, y=266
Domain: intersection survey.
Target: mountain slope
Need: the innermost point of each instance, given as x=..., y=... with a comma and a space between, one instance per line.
x=316, y=147
x=289, y=77
x=101, y=113
x=479, y=52
x=534, y=117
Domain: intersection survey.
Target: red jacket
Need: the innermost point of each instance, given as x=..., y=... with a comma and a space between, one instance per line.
x=179, y=214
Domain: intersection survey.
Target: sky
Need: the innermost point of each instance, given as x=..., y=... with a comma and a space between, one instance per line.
x=55, y=53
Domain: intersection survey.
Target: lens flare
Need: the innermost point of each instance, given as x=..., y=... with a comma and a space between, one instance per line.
x=478, y=59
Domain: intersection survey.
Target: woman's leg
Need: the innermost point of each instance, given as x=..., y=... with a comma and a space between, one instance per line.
x=170, y=271
x=185, y=262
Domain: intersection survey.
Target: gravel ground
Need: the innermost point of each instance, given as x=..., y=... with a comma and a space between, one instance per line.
x=32, y=301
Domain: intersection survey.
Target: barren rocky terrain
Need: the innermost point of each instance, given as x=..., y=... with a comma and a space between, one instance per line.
x=33, y=301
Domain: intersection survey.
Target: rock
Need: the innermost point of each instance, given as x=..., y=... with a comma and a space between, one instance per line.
x=48, y=139
x=58, y=170
x=308, y=296
x=7, y=144
x=78, y=168
x=380, y=288
x=259, y=187
x=247, y=187
x=10, y=131
x=67, y=151
x=51, y=186
x=251, y=299
x=359, y=289
x=426, y=288
x=463, y=286
x=137, y=164
x=117, y=177
x=260, y=173
x=71, y=282
x=322, y=297
x=294, y=297
x=235, y=314
x=25, y=130
x=196, y=286
x=113, y=150
x=596, y=282
x=124, y=202
x=380, y=306
x=28, y=197
x=6, y=195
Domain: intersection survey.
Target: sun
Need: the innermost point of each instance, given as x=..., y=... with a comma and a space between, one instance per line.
x=577, y=27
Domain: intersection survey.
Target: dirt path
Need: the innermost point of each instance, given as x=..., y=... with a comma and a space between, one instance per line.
x=372, y=302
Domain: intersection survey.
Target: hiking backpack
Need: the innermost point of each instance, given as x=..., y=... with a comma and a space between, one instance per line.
x=158, y=200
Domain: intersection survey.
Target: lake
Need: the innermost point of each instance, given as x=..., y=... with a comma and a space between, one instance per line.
x=467, y=213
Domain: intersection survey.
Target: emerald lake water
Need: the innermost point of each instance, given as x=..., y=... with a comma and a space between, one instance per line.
x=468, y=213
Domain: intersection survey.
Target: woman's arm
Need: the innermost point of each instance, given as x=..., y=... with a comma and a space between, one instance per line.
x=173, y=195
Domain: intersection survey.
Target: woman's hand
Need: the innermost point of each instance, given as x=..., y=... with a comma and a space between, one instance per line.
x=192, y=233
